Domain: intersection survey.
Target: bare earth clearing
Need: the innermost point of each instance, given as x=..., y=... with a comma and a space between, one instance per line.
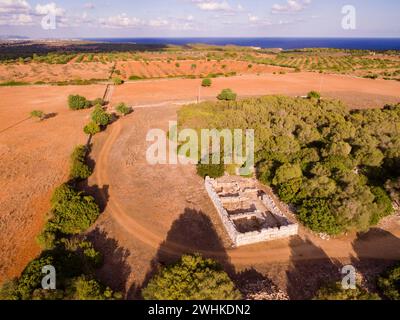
x=155, y=213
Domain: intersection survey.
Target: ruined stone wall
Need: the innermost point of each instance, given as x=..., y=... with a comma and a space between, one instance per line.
x=267, y=234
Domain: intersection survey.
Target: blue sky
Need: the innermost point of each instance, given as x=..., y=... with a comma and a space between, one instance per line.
x=199, y=18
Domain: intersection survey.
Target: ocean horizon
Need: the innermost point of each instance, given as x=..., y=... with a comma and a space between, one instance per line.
x=289, y=43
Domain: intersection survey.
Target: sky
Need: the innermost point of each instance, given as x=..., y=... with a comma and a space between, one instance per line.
x=197, y=18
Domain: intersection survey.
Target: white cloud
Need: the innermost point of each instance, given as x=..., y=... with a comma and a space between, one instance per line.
x=120, y=21
x=158, y=23
x=14, y=7
x=213, y=5
x=49, y=8
x=291, y=6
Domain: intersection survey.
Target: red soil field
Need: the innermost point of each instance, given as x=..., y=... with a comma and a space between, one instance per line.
x=34, y=158
x=356, y=92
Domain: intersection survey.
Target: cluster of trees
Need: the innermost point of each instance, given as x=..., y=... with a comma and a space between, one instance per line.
x=336, y=291
x=334, y=165
x=77, y=102
x=100, y=120
x=389, y=283
x=191, y=278
x=75, y=260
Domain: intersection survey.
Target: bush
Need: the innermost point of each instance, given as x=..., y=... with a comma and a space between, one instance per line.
x=85, y=288
x=38, y=114
x=315, y=214
x=336, y=292
x=100, y=117
x=79, y=170
x=314, y=95
x=211, y=170
x=227, y=95
x=389, y=283
x=118, y=81
x=192, y=278
x=92, y=128
x=77, y=102
x=206, y=82
x=98, y=101
x=123, y=109
x=134, y=78
x=73, y=212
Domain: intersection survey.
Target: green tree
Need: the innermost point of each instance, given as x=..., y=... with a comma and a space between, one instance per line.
x=316, y=214
x=389, y=283
x=79, y=170
x=92, y=128
x=85, y=288
x=287, y=172
x=314, y=95
x=123, y=109
x=73, y=212
x=336, y=292
x=77, y=102
x=38, y=114
x=206, y=82
x=192, y=278
x=118, y=81
x=227, y=95
x=100, y=117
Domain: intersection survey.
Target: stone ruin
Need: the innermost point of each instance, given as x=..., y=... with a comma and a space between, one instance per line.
x=248, y=213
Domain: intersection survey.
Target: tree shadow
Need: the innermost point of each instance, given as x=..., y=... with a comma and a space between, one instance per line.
x=375, y=251
x=306, y=276
x=50, y=115
x=115, y=270
x=193, y=232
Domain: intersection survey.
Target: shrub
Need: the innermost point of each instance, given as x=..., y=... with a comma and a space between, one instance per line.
x=77, y=102
x=314, y=95
x=100, y=117
x=73, y=212
x=336, y=292
x=227, y=95
x=92, y=128
x=98, y=101
x=210, y=169
x=85, y=288
x=389, y=283
x=192, y=278
x=315, y=214
x=123, y=109
x=118, y=81
x=38, y=114
x=206, y=82
x=177, y=65
x=134, y=77
x=79, y=170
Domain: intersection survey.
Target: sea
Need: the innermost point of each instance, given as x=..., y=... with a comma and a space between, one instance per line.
x=283, y=43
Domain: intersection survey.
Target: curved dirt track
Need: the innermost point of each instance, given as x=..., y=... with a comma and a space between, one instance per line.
x=377, y=245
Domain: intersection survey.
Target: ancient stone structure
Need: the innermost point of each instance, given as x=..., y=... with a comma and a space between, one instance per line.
x=248, y=214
